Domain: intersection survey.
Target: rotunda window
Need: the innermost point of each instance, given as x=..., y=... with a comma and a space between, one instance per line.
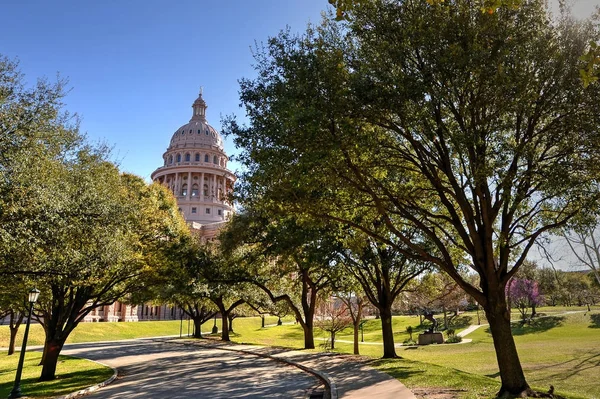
x=199, y=131
x=178, y=157
x=205, y=157
x=190, y=131
x=187, y=157
x=197, y=157
x=184, y=190
x=205, y=189
x=171, y=159
x=215, y=159
x=182, y=132
x=195, y=190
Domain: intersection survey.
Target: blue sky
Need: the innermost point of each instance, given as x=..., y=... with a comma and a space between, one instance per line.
x=135, y=67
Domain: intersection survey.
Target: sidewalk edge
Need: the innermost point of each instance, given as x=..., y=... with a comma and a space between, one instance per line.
x=94, y=387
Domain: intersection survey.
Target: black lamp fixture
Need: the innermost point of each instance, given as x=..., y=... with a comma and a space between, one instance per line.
x=16, y=391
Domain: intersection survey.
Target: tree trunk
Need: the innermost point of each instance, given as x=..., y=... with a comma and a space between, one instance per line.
x=389, y=350
x=197, y=327
x=332, y=340
x=13, y=338
x=230, y=317
x=224, y=326
x=511, y=372
x=309, y=341
x=445, y=318
x=51, y=352
x=356, y=326
x=16, y=318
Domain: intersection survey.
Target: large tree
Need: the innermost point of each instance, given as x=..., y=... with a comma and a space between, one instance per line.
x=108, y=231
x=291, y=261
x=467, y=123
x=383, y=273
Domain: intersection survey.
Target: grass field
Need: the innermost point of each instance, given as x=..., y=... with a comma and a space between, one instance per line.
x=562, y=349
x=72, y=375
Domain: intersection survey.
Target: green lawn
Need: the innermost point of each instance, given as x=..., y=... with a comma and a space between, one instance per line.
x=562, y=350
x=72, y=375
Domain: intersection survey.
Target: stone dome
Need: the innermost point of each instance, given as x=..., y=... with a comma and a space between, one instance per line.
x=195, y=171
x=197, y=133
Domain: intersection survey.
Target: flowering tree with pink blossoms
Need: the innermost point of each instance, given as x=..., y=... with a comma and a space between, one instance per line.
x=523, y=294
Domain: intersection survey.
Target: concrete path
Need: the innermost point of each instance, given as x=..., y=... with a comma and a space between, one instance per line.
x=470, y=329
x=349, y=377
x=156, y=369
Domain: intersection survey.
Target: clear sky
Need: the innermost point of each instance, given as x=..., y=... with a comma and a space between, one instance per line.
x=135, y=67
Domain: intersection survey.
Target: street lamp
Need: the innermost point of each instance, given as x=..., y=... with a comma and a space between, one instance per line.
x=16, y=391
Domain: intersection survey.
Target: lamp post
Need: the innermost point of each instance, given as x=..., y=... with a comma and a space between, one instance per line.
x=16, y=391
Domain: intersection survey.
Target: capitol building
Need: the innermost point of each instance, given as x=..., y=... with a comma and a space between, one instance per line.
x=194, y=168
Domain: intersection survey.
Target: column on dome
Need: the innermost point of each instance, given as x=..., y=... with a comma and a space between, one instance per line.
x=189, y=183
x=214, y=192
x=176, y=190
x=202, y=187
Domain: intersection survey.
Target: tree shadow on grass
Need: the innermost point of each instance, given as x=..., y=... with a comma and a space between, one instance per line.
x=539, y=325
x=395, y=368
x=595, y=317
x=462, y=321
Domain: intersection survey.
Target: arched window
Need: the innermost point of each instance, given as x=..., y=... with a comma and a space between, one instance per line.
x=178, y=157
x=171, y=159
x=205, y=189
x=215, y=159
x=184, y=190
x=220, y=197
x=195, y=190
x=197, y=157
x=206, y=158
x=187, y=157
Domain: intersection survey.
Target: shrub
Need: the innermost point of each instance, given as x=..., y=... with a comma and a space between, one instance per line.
x=454, y=339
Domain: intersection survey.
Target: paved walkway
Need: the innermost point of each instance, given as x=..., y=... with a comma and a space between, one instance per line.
x=349, y=377
x=189, y=368
x=158, y=369
x=470, y=329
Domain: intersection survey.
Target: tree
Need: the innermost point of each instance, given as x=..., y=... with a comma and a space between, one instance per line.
x=354, y=300
x=472, y=128
x=108, y=232
x=523, y=294
x=290, y=260
x=13, y=306
x=333, y=317
x=584, y=243
x=383, y=273
x=435, y=292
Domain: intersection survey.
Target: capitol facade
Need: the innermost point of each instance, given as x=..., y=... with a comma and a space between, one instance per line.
x=195, y=170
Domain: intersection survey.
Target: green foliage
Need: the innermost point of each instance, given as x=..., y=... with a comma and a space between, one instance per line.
x=71, y=223
x=464, y=131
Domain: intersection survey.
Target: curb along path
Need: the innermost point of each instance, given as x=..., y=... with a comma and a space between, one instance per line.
x=345, y=376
